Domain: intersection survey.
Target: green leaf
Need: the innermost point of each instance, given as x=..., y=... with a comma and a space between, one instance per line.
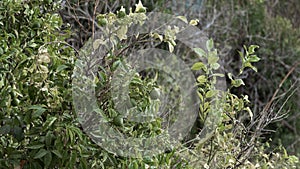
x=5, y=129
x=200, y=52
x=202, y=79
x=35, y=165
x=57, y=153
x=215, y=66
x=209, y=44
x=38, y=146
x=73, y=159
x=237, y=82
x=41, y=153
x=48, y=159
x=48, y=138
x=18, y=133
x=198, y=66
x=44, y=58
x=121, y=32
x=253, y=58
x=1, y=82
x=61, y=67
x=158, y=36
x=218, y=75
x=242, y=56
x=200, y=96
x=213, y=59
x=70, y=135
x=49, y=122
x=248, y=64
x=250, y=112
x=252, y=49
x=133, y=165
x=39, y=110
x=33, y=45
x=171, y=47
x=183, y=18
x=83, y=163
x=210, y=94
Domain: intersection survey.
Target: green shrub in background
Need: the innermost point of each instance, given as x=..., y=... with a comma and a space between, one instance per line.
x=273, y=26
x=39, y=128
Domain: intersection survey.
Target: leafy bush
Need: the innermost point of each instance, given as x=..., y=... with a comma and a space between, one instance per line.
x=39, y=127
x=273, y=26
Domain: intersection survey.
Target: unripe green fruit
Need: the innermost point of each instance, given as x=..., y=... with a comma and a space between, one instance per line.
x=102, y=21
x=141, y=10
x=100, y=16
x=118, y=121
x=121, y=14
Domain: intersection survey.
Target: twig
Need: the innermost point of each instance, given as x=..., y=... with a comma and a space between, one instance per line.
x=265, y=112
x=94, y=14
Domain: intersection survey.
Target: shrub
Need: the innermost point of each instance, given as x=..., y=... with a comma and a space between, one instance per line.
x=39, y=128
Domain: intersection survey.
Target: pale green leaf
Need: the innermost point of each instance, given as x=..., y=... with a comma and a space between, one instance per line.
x=210, y=94
x=212, y=60
x=253, y=58
x=157, y=36
x=209, y=44
x=215, y=66
x=200, y=52
x=198, y=66
x=183, y=18
x=194, y=22
x=250, y=112
x=121, y=32
x=237, y=82
x=202, y=79
x=252, y=49
x=171, y=47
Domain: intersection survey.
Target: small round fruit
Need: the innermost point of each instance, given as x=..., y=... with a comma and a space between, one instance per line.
x=121, y=13
x=102, y=21
x=118, y=121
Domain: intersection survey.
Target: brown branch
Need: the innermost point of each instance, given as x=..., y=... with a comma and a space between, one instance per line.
x=265, y=112
x=94, y=14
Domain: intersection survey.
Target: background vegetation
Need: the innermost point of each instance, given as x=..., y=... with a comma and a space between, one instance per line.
x=38, y=49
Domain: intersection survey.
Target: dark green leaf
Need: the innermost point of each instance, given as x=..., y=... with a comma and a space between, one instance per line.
x=48, y=159
x=5, y=129
x=39, y=110
x=18, y=133
x=49, y=122
x=41, y=153
x=38, y=146
x=57, y=153
x=61, y=67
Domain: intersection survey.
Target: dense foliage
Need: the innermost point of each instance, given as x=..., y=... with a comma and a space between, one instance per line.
x=39, y=127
